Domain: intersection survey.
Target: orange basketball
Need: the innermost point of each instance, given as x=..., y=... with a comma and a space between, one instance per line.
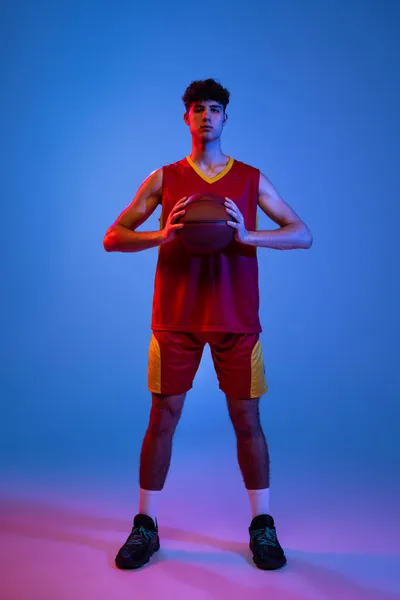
x=205, y=230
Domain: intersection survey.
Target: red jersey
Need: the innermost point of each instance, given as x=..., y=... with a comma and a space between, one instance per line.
x=217, y=292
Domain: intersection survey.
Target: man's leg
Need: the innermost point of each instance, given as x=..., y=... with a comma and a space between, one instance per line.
x=155, y=457
x=240, y=368
x=173, y=361
x=252, y=448
x=253, y=457
x=239, y=365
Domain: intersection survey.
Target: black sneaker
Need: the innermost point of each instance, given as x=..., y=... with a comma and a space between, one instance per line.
x=142, y=542
x=267, y=551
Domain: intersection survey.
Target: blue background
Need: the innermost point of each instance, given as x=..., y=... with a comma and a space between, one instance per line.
x=91, y=104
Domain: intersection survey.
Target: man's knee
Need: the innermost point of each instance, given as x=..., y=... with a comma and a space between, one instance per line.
x=245, y=417
x=248, y=430
x=165, y=413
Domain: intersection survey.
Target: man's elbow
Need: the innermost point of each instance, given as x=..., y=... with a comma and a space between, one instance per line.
x=307, y=238
x=109, y=241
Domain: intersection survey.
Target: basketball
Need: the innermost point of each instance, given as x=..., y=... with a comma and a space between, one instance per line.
x=205, y=229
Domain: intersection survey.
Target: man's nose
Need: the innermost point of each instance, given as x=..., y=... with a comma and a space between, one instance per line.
x=206, y=115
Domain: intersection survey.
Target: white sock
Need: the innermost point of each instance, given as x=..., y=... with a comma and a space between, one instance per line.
x=148, y=502
x=259, y=501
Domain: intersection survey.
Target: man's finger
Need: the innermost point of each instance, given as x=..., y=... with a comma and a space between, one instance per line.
x=181, y=202
x=235, y=214
x=177, y=214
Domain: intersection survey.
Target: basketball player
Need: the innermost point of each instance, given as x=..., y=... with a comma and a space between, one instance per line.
x=210, y=299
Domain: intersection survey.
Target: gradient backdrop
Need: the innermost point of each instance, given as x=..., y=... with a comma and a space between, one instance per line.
x=90, y=105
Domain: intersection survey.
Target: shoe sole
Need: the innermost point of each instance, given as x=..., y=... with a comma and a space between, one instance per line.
x=271, y=565
x=132, y=566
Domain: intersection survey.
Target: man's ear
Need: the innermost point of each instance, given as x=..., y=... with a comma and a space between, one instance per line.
x=186, y=118
x=225, y=118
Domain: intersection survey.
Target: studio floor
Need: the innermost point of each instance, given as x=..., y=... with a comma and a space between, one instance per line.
x=61, y=531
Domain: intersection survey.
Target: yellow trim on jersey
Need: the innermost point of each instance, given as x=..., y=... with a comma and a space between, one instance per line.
x=216, y=177
x=258, y=381
x=154, y=368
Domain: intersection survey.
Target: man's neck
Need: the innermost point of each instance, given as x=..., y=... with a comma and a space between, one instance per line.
x=208, y=154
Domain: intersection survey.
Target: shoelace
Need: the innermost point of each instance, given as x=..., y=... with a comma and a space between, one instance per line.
x=265, y=536
x=139, y=535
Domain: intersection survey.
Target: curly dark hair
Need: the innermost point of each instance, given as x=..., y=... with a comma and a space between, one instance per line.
x=205, y=89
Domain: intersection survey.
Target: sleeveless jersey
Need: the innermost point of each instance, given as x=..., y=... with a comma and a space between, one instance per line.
x=217, y=292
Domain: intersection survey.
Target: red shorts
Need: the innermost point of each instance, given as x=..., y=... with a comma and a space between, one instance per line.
x=174, y=358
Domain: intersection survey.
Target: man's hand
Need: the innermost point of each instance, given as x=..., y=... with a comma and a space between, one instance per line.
x=241, y=233
x=171, y=226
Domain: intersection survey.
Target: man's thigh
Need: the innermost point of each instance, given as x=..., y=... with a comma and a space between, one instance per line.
x=174, y=359
x=239, y=364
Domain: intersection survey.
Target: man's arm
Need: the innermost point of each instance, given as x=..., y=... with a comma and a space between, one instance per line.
x=122, y=237
x=293, y=232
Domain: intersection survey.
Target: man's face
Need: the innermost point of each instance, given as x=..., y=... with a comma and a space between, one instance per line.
x=206, y=120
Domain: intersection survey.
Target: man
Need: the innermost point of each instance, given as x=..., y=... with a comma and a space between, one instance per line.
x=208, y=299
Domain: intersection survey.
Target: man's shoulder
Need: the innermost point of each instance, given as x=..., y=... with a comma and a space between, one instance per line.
x=177, y=165
x=245, y=167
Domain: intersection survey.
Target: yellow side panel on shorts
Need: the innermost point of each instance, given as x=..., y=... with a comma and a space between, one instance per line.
x=258, y=381
x=154, y=369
